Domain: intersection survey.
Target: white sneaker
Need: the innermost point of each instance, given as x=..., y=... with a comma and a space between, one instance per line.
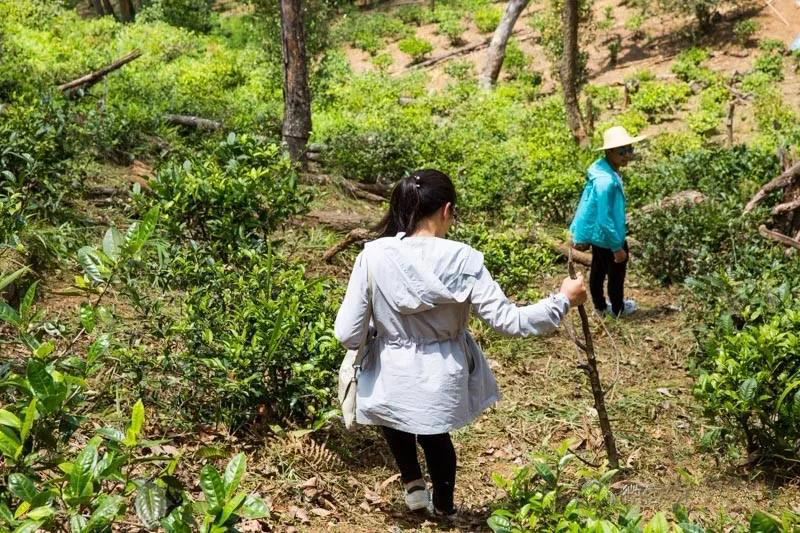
x=417, y=497
x=629, y=307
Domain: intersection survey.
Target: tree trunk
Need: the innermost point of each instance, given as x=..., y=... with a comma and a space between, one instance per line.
x=296, y=96
x=497, y=47
x=108, y=8
x=97, y=7
x=569, y=70
x=126, y=10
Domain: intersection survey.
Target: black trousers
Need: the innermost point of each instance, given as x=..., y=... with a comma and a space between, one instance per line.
x=603, y=266
x=440, y=457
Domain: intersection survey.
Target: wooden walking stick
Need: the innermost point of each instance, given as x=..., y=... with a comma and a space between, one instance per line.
x=590, y=368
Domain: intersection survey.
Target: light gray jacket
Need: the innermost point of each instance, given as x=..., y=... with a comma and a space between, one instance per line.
x=424, y=373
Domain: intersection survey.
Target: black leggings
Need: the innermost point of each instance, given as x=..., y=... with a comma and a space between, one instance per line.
x=603, y=265
x=440, y=457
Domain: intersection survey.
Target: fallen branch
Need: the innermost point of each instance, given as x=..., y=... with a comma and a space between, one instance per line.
x=778, y=237
x=90, y=79
x=337, y=221
x=358, y=192
x=786, y=178
x=461, y=51
x=674, y=200
x=563, y=248
x=193, y=122
x=375, y=188
x=356, y=235
x=786, y=207
x=587, y=346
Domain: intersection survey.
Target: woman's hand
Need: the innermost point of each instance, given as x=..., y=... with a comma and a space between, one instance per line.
x=574, y=290
x=620, y=256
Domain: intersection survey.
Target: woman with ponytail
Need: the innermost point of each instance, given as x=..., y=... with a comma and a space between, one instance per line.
x=410, y=296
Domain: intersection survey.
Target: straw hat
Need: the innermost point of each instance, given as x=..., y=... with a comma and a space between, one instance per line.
x=617, y=136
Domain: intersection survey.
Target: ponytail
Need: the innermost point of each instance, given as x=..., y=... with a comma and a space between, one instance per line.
x=414, y=198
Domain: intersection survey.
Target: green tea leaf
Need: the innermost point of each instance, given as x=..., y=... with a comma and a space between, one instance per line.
x=112, y=243
x=150, y=504
x=29, y=526
x=112, y=434
x=135, y=427
x=107, y=509
x=40, y=379
x=80, y=478
x=97, y=348
x=545, y=472
x=213, y=488
x=233, y=474
x=92, y=265
x=762, y=522
x=7, y=280
x=747, y=390
x=77, y=523
x=22, y=487
x=10, y=444
x=8, y=314
x=27, y=422
x=230, y=507
x=44, y=349
x=27, y=300
x=500, y=524
x=7, y=418
x=87, y=317
x=179, y=520
x=138, y=234
x=254, y=508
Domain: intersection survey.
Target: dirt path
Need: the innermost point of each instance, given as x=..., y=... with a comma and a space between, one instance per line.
x=545, y=399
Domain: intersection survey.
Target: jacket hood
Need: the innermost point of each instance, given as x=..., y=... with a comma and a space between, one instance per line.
x=418, y=273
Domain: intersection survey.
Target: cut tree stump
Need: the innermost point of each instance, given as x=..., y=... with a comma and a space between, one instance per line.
x=343, y=222
x=84, y=82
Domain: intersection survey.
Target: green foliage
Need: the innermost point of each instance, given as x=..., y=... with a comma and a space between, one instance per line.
x=452, y=28
x=657, y=99
x=370, y=32
x=744, y=30
x=517, y=63
x=417, y=47
x=193, y=15
x=487, y=18
x=510, y=255
x=547, y=25
x=243, y=189
x=771, y=65
x=257, y=333
x=688, y=67
x=706, y=119
x=540, y=497
x=411, y=14
x=461, y=70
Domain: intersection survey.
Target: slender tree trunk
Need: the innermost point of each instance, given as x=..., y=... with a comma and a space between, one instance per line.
x=127, y=11
x=108, y=8
x=569, y=70
x=97, y=7
x=497, y=47
x=296, y=95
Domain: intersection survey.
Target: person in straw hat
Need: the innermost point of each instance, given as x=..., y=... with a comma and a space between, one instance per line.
x=600, y=223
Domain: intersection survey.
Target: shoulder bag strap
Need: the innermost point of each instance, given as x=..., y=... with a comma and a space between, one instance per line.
x=362, y=352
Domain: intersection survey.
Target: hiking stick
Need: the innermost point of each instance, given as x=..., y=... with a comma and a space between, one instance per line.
x=590, y=368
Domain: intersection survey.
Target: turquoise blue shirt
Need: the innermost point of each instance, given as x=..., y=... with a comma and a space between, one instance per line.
x=600, y=217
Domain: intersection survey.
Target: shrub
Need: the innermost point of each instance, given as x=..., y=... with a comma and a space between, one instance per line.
x=193, y=15
x=258, y=337
x=771, y=65
x=416, y=47
x=370, y=157
x=460, y=69
x=657, y=99
x=516, y=62
x=411, y=14
x=688, y=67
x=452, y=29
x=744, y=30
x=487, y=18
x=242, y=190
x=512, y=257
x=369, y=32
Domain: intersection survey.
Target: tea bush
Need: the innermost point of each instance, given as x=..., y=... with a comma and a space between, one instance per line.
x=370, y=32
x=258, y=337
x=512, y=257
x=416, y=47
x=688, y=67
x=657, y=99
x=486, y=18
x=744, y=30
x=241, y=191
x=190, y=14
